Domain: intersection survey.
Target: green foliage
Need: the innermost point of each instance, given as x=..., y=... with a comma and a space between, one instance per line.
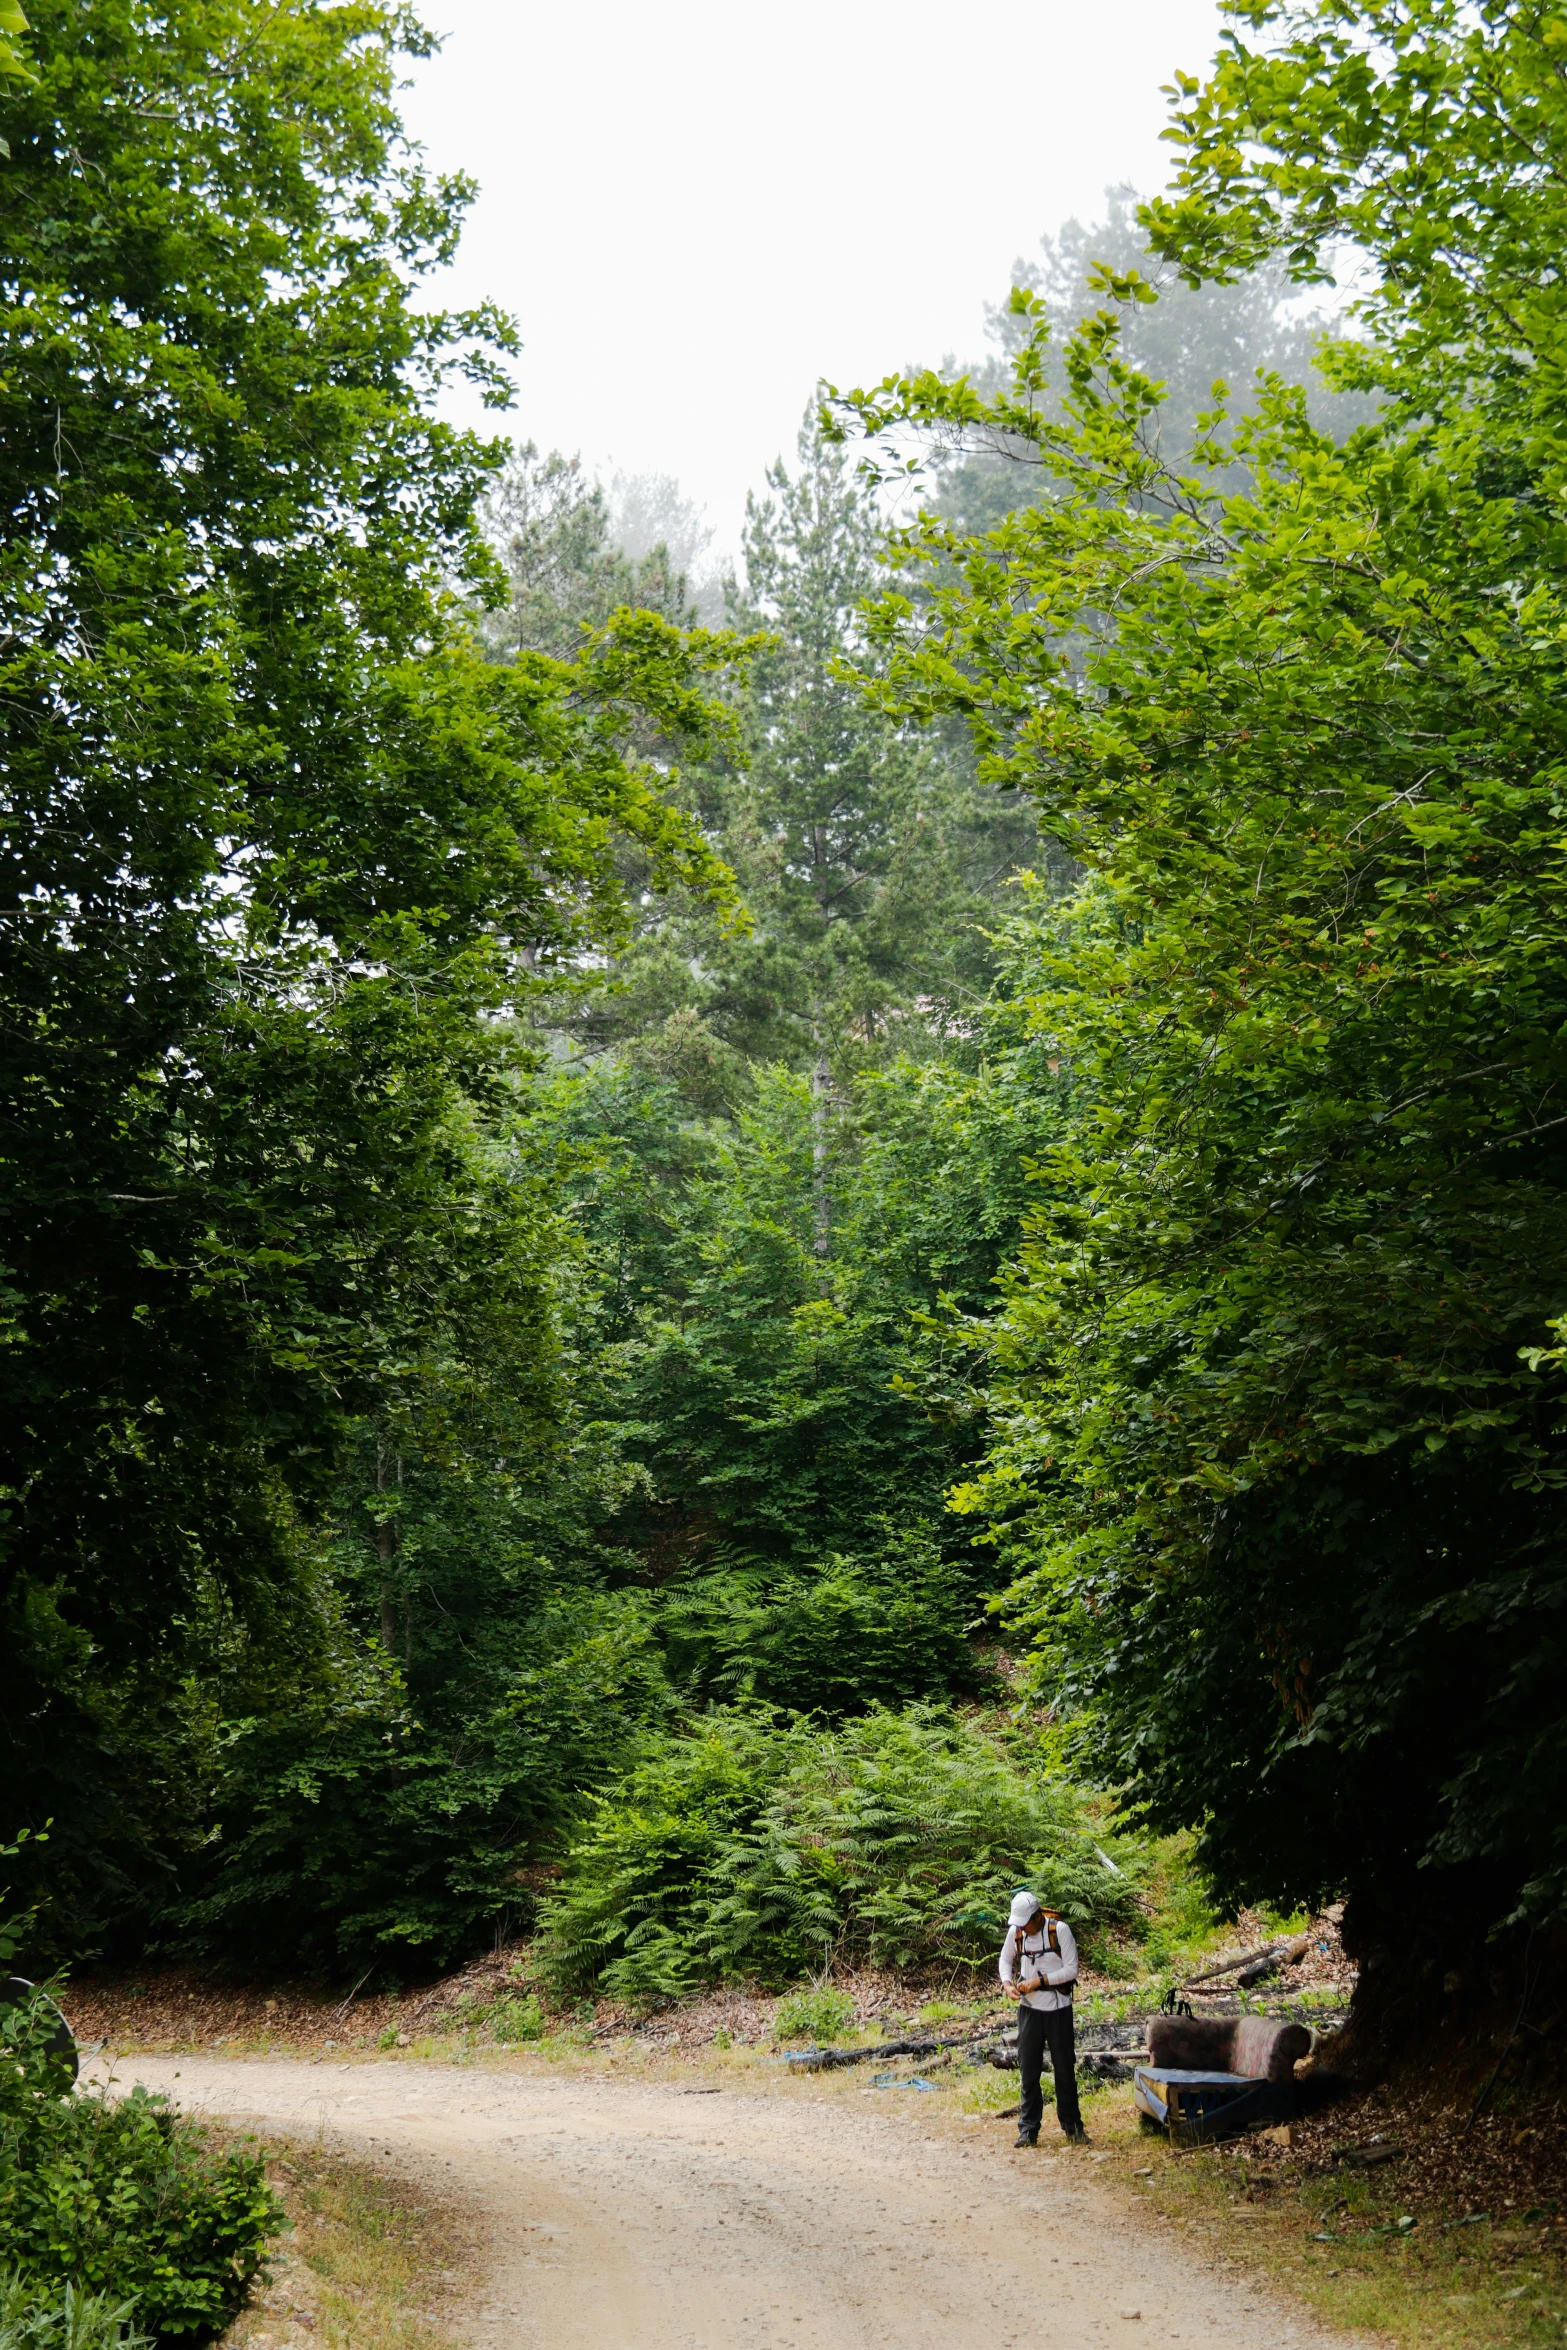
x=869, y=855
x=36, y=2064
x=725, y=1433
x=397, y=1433
x=1273, y=1462
x=1419, y=133
x=682, y=1396
x=750, y=1842
x=14, y=62
x=1183, y=1920
x=16, y=1930
x=517, y=2019
x=118, y=2200
x=387, y=1817
x=754, y=1387
x=551, y=528
x=853, y=1633
x=34, y=2317
x=819, y=2014
x=279, y=844
x=1186, y=340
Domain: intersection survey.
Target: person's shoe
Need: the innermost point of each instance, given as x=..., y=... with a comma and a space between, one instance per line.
x=1026, y=2138
x=1077, y=2137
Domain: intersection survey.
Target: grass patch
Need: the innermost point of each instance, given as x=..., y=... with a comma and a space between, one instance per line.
x=369, y=2263
x=993, y=2091
x=819, y=2014
x=1337, y=2242
x=518, y=2019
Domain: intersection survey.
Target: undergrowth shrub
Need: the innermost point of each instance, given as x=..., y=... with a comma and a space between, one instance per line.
x=118, y=2199
x=517, y=2019
x=63, y=2319
x=746, y=1844
x=854, y=1632
x=1184, y=1918
x=817, y=2014
x=383, y=1820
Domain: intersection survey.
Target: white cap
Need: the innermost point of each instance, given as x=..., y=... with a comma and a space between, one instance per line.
x=1023, y=1908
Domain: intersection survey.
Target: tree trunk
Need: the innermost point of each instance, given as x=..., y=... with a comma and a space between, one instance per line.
x=821, y=1092
x=386, y=1551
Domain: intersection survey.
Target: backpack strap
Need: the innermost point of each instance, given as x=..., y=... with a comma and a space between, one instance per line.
x=1051, y=1936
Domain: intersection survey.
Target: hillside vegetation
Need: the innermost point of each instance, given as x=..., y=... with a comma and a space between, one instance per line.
x=700, y=1294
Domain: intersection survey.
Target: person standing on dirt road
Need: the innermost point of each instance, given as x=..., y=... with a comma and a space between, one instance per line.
x=1039, y=1968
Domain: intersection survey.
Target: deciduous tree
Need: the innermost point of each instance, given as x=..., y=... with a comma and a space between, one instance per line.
x=278, y=843
x=1273, y=1461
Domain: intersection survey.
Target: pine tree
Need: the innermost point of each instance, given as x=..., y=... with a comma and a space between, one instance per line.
x=867, y=852
x=555, y=534
x=1190, y=338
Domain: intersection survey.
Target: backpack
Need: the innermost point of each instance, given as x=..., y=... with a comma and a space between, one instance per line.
x=1051, y=1936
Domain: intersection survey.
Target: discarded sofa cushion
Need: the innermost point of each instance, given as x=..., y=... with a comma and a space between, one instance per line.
x=1268, y=2050
x=1259, y=2047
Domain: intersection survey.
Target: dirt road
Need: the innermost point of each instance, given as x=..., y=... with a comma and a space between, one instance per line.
x=627, y=2214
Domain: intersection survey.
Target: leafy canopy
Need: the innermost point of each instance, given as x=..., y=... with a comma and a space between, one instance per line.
x=276, y=845
x=1279, y=1485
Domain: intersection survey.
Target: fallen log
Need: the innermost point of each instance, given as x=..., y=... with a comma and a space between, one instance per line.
x=1113, y=2065
x=1104, y=2064
x=1369, y=2157
x=1256, y=1964
x=1227, y=1966
x=1284, y=1954
x=827, y=2060
x=999, y=2046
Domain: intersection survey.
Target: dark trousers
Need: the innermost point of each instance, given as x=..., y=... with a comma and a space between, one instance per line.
x=1038, y=2030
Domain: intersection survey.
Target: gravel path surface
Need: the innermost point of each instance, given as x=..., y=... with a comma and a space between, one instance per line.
x=672, y=2219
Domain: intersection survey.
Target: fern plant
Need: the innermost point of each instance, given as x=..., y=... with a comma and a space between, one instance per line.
x=744, y=1845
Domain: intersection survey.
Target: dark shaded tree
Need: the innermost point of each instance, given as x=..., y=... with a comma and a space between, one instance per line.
x=278, y=844
x=1279, y=1440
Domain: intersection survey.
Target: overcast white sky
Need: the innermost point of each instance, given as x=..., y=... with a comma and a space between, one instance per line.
x=695, y=210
